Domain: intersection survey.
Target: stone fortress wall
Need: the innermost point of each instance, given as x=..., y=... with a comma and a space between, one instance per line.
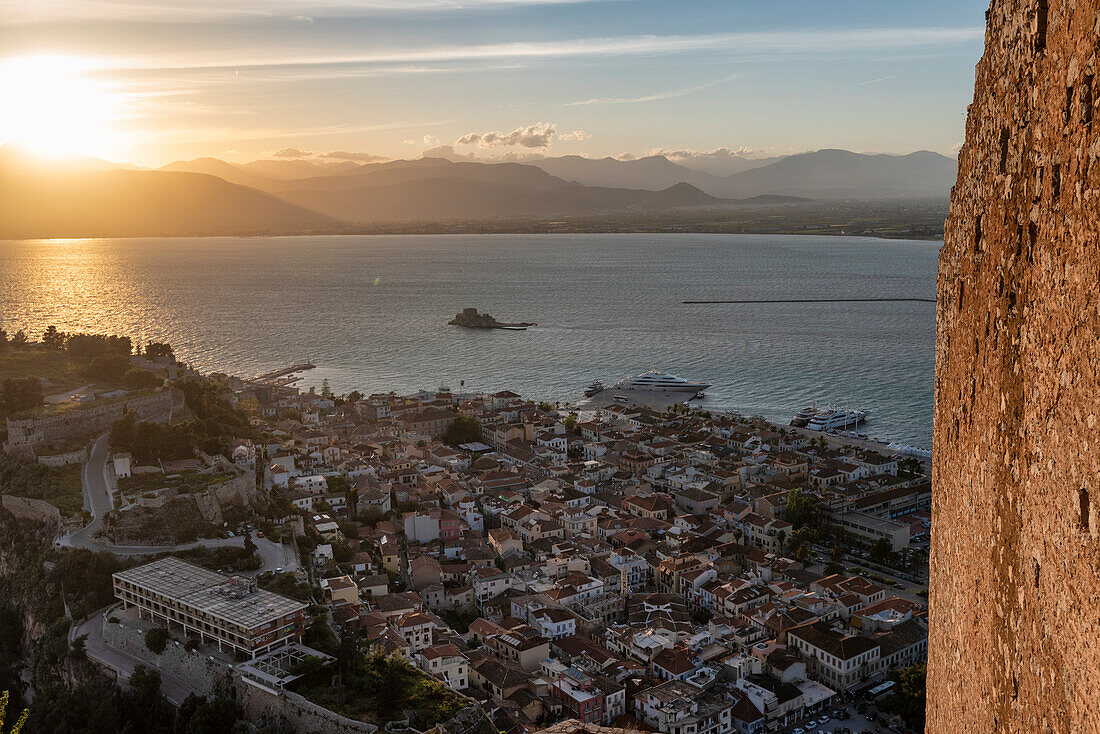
x=1015, y=593
x=26, y=434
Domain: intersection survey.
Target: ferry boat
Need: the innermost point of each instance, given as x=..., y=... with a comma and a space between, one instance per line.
x=594, y=388
x=833, y=418
x=654, y=381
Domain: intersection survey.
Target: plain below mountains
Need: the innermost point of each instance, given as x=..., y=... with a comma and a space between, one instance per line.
x=87, y=197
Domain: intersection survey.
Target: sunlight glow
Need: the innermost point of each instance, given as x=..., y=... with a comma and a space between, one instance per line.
x=53, y=106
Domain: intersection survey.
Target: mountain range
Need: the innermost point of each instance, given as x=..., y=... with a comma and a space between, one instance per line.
x=85, y=197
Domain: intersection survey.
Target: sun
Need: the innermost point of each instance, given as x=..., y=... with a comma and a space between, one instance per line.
x=53, y=106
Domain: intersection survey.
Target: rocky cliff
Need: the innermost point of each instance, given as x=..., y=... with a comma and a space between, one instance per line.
x=1015, y=592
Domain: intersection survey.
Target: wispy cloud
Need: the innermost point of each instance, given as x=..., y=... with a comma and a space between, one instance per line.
x=732, y=45
x=193, y=134
x=670, y=94
x=13, y=12
x=876, y=81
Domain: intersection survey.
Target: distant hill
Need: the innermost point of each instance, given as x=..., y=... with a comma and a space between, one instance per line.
x=824, y=174
x=85, y=197
x=472, y=197
x=59, y=201
x=295, y=168
x=841, y=174
x=652, y=172
x=223, y=170
x=403, y=171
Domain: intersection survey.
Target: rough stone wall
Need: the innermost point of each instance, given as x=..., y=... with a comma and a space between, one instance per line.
x=1015, y=592
x=288, y=709
x=193, y=668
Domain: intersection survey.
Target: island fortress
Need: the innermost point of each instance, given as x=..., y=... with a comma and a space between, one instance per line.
x=470, y=318
x=1015, y=561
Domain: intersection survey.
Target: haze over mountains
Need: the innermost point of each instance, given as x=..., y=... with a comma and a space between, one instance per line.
x=88, y=197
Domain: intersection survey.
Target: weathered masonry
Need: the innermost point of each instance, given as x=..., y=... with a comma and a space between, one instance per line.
x=1015, y=594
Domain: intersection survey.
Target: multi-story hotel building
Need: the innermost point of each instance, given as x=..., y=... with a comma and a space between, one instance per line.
x=228, y=610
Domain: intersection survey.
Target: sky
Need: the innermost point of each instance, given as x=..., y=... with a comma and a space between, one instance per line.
x=152, y=82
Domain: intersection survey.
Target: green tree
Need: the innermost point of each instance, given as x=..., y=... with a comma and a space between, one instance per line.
x=909, y=695
x=158, y=349
x=22, y=393
x=803, y=509
x=881, y=550
x=326, y=390
x=53, y=338
x=463, y=429
x=3, y=711
x=570, y=421
x=156, y=640
x=354, y=396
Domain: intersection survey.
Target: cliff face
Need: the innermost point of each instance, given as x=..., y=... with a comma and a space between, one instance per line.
x=1015, y=593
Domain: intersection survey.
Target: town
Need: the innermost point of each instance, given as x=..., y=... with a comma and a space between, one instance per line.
x=505, y=564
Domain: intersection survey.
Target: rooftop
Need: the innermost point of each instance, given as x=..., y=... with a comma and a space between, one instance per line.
x=230, y=598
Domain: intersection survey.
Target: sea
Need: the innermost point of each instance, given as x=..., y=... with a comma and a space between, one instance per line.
x=371, y=312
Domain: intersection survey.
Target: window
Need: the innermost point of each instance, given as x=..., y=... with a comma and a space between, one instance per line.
x=1083, y=507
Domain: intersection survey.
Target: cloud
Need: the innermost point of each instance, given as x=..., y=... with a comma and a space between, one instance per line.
x=292, y=153
x=538, y=135
x=343, y=155
x=670, y=94
x=745, y=45
x=876, y=81
x=197, y=10
x=716, y=155
x=576, y=135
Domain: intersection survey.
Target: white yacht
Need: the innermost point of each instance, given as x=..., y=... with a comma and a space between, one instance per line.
x=654, y=381
x=804, y=416
x=828, y=420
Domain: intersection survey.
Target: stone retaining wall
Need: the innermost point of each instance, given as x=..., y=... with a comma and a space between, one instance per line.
x=194, y=668
x=304, y=717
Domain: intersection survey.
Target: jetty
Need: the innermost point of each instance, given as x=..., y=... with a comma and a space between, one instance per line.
x=282, y=377
x=471, y=319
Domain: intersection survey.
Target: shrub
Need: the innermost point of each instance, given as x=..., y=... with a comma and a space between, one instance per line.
x=191, y=645
x=156, y=639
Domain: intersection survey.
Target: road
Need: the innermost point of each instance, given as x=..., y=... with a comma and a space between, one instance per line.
x=99, y=500
x=123, y=663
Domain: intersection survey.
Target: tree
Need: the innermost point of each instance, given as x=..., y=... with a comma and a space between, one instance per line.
x=53, y=338
x=463, y=429
x=803, y=509
x=326, y=391
x=158, y=349
x=801, y=553
x=3, y=338
x=19, y=338
x=570, y=421
x=354, y=396
x=881, y=550
x=22, y=393
x=3, y=709
x=908, y=698
x=156, y=640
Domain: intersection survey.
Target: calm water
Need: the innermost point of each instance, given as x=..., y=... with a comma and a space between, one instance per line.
x=372, y=312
